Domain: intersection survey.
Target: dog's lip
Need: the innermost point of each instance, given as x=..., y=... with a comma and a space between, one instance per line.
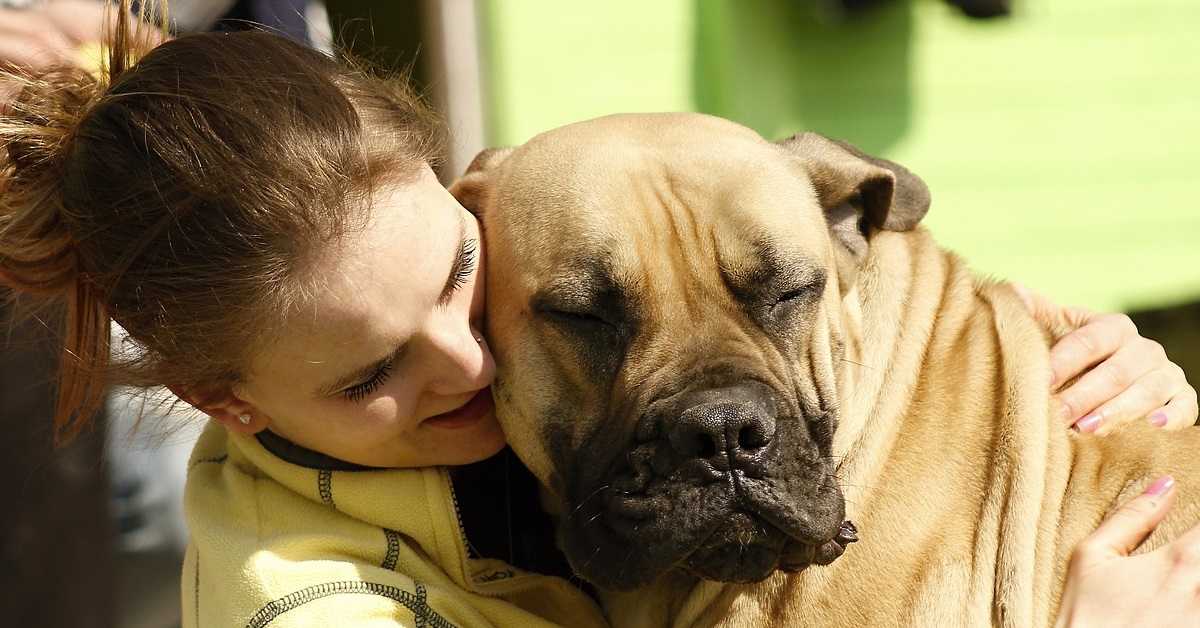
x=751, y=553
x=474, y=410
x=801, y=555
x=742, y=523
x=739, y=527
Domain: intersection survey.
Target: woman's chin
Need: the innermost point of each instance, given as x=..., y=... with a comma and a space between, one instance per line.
x=460, y=445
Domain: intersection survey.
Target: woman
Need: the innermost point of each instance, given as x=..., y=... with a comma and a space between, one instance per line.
x=266, y=226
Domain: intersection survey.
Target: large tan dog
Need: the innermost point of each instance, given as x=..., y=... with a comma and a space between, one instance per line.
x=714, y=350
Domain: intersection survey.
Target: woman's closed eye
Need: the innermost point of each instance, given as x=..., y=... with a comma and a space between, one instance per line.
x=464, y=267
x=358, y=392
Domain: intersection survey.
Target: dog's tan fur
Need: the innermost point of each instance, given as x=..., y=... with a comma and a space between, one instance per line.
x=967, y=491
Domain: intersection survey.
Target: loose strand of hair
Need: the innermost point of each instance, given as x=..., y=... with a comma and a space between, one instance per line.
x=83, y=365
x=132, y=33
x=38, y=257
x=85, y=361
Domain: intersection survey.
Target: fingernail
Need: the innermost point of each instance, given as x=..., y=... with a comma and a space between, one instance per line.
x=1158, y=419
x=1160, y=486
x=1089, y=423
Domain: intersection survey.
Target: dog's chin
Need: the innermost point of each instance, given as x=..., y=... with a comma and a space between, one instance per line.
x=735, y=543
x=745, y=550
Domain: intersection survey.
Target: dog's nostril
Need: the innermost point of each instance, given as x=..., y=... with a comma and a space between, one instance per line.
x=750, y=438
x=713, y=430
x=694, y=444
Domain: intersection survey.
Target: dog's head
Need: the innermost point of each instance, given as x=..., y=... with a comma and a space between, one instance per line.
x=664, y=299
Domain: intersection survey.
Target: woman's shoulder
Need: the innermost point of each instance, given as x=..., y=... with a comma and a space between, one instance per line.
x=272, y=541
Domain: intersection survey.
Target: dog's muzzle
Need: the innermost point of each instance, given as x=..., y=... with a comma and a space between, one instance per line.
x=716, y=481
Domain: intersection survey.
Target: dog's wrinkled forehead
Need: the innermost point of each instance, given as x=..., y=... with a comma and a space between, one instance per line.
x=637, y=182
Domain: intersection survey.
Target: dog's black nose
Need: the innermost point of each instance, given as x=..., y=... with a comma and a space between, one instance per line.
x=728, y=428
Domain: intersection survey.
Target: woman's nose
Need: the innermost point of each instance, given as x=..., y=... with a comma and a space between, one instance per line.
x=464, y=363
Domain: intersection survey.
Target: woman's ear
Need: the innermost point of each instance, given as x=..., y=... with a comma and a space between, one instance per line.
x=234, y=413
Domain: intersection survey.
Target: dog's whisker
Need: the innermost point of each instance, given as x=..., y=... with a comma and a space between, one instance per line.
x=588, y=562
x=625, y=563
x=584, y=501
x=861, y=365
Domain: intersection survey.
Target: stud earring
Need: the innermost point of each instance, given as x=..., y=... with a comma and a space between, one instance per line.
x=244, y=418
x=479, y=339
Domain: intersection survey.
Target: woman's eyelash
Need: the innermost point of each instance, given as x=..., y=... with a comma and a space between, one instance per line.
x=466, y=263
x=361, y=391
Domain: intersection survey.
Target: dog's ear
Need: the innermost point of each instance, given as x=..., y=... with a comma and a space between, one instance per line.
x=860, y=194
x=472, y=187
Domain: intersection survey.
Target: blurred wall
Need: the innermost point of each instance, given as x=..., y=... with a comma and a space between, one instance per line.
x=58, y=566
x=1059, y=142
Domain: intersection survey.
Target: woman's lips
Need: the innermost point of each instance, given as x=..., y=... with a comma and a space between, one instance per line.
x=469, y=414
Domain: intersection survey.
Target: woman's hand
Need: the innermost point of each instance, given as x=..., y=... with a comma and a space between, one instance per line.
x=1107, y=587
x=45, y=34
x=48, y=33
x=1122, y=376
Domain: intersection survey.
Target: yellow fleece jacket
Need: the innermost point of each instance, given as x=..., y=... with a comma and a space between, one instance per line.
x=282, y=545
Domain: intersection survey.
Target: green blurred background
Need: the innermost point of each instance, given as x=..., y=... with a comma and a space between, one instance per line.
x=1060, y=141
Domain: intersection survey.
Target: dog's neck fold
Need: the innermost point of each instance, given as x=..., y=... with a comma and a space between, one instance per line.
x=887, y=327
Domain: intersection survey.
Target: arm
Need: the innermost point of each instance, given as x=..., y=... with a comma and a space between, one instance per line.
x=1121, y=375
x=1107, y=587
x=38, y=35
x=42, y=35
x=48, y=33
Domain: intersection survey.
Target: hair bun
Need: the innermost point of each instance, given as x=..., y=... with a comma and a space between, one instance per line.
x=37, y=128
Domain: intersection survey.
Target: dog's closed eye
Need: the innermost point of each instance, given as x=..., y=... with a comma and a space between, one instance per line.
x=574, y=317
x=798, y=295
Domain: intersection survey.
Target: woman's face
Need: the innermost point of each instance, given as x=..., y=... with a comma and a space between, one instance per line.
x=384, y=368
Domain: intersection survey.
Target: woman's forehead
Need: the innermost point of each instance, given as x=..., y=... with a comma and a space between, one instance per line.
x=377, y=286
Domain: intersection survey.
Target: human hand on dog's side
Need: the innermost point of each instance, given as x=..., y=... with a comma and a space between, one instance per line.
x=38, y=35
x=45, y=34
x=1121, y=375
x=1108, y=587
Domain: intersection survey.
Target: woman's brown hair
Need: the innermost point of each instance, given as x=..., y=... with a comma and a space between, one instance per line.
x=183, y=192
